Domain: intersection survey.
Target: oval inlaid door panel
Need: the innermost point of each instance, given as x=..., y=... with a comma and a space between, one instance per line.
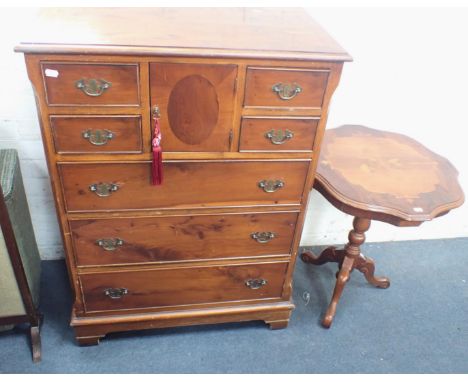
x=193, y=109
x=196, y=103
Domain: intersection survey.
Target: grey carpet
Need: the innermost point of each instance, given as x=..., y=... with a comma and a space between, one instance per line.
x=418, y=325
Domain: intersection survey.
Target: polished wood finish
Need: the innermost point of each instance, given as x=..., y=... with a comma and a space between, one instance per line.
x=68, y=134
x=255, y=134
x=182, y=286
x=257, y=33
x=196, y=104
x=196, y=71
x=179, y=238
x=260, y=82
x=61, y=88
x=228, y=183
x=33, y=317
x=89, y=330
x=384, y=176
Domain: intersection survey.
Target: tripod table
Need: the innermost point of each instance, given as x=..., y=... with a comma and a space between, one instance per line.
x=378, y=175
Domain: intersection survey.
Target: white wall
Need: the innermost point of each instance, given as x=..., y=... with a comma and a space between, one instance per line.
x=19, y=129
x=409, y=75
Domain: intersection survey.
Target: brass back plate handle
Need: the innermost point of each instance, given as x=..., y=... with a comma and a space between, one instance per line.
x=271, y=185
x=278, y=137
x=92, y=87
x=97, y=137
x=110, y=244
x=263, y=237
x=255, y=283
x=115, y=293
x=286, y=91
x=103, y=189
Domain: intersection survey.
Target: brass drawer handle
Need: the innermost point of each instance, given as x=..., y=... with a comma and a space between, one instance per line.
x=263, y=237
x=115, y=293
x=286, y=91
x=110, y=244
x=93, y=87
x=256, y=283
x=271, y=185
x=103, y=189
x=97, y=137
x=279, y=137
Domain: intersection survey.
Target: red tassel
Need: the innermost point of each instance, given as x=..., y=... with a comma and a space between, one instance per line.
x=156, y=167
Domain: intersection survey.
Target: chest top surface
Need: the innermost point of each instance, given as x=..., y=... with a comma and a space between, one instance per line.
x=288, y=33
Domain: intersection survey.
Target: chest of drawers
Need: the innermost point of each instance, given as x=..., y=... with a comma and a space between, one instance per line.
x=242, y=98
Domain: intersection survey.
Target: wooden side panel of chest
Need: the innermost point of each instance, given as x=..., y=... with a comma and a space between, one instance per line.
x=217, y=242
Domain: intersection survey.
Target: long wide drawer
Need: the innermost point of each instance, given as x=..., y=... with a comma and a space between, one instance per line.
x=127, y=186
x=178, y=238
x=182, y=286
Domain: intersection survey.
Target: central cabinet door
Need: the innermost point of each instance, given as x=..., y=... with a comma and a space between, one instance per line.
x=196, y=103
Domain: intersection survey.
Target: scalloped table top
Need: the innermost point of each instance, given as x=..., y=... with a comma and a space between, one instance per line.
x=385, y=176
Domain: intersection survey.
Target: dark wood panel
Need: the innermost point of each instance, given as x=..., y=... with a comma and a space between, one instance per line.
x=278, y=134
x=260, y=83
x=94, y=134
x=176, y=238
x=62, y=84
x=185, y=184
x=181, y=286
x=196, y=104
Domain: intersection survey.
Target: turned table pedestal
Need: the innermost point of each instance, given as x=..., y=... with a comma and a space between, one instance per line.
x=377, y=175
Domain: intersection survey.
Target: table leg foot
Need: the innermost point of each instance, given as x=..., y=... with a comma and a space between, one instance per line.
x=328, y=319
x=367, y=267
x=343, y=277
x=328, y=255
x=35, y=343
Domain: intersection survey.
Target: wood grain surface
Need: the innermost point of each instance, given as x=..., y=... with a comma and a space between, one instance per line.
x=385, y=176
x=186, y=184
x=260, y=81
x=254, y=132
x=61, y=86
x=196, y=104
x=233, y=32
x=194, y=285
x=68, y=133
x=187, y=245
x=181, y=238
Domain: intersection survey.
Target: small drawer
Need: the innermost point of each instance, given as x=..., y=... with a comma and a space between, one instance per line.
x=96, y=134
x=186, y=184
x=178, y=238
x=182, y=286
x=285, y=88
x=270, y=134
x=70, y=84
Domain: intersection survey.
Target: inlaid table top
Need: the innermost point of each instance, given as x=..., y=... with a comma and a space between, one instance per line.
x=385, y=176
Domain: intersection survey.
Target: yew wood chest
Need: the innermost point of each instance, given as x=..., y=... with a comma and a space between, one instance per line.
x=241, y=98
